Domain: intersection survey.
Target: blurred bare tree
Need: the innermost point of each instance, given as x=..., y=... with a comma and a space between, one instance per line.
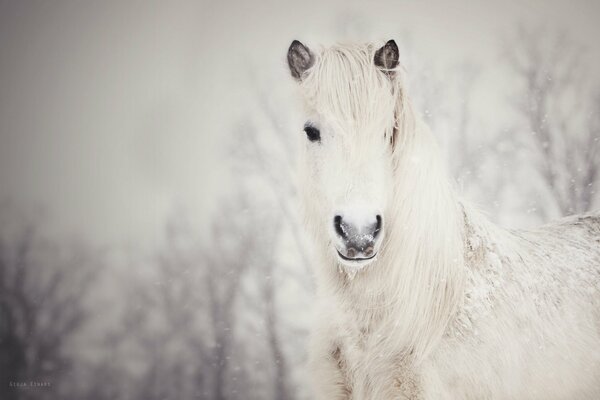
x=476, y=154
x=43, y=292
x=184, y=326
x=558, y=117
x=267, y=156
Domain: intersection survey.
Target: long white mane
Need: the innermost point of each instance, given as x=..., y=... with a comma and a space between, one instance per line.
x=344, y=82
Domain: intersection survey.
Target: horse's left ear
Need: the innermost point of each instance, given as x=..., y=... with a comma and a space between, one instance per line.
x=387, y=57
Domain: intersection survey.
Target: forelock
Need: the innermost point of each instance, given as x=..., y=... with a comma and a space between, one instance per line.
x=345, y=86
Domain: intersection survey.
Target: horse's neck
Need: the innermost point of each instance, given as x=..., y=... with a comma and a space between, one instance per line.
x=419, y=277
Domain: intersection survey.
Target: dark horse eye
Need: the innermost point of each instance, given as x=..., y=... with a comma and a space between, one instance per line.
x=312, y=133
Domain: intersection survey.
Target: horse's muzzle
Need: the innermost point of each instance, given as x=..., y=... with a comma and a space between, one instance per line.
x=358, y=243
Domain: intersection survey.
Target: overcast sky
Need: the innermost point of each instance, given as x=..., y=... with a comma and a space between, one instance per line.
x=112, y=114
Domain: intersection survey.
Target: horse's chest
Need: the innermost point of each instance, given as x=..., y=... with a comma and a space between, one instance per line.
x=356, y=348
x=365, y=358
x=355, y=341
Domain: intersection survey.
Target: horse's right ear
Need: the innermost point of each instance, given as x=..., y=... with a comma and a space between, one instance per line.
x=299, y=59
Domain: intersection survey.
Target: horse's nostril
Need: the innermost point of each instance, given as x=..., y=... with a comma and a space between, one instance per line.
x=337, y=224
x=369, y=251
x=351, y=252
x=377, y=226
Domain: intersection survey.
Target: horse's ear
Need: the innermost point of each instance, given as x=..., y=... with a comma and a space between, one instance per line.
x=299, y=59
x=387, y=56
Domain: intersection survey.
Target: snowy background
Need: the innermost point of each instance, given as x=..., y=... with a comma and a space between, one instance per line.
x=150, y=246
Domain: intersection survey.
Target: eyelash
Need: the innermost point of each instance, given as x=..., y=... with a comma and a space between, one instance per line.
x=312, y=133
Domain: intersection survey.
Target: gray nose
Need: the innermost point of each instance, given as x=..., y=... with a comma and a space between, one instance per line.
x=358, y=240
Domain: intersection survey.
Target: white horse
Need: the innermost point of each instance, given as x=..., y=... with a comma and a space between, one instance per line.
x=420, y=297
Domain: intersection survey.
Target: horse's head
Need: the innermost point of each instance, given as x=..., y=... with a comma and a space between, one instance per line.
x=350, y=99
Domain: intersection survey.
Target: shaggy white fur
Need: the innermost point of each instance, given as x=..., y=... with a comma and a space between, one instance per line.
x=453, y=307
